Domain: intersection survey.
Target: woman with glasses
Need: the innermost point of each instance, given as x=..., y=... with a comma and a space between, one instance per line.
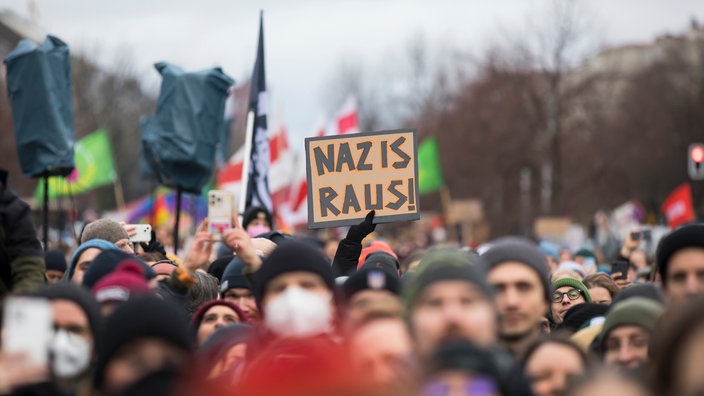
x=566, y=293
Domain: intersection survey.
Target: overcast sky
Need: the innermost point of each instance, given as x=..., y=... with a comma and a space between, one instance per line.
x=305, y=40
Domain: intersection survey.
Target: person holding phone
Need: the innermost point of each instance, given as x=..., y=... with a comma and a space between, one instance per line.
x=72, y=346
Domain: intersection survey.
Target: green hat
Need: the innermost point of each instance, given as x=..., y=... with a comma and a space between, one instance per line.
x=444, y=265
x=584, y=252
x=572, y=283
x=638, y=311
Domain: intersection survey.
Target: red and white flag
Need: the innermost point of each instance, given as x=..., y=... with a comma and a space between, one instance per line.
x=280, y=169
x=295, y=211
x=678, y=206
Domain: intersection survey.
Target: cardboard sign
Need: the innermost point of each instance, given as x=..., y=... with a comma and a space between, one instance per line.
x=350, y=175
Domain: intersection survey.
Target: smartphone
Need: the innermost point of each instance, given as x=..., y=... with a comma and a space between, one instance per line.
x=637, y=235
x=28, y=324
x=144, y=232
x=220, y=206
x=645, y=234
x=622, y=267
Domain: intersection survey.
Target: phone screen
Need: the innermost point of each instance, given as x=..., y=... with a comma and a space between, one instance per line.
x=220, y=207
x=28, y=327
x=622, y=267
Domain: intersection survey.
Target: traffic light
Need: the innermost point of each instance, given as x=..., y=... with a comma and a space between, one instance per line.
x=696, y=161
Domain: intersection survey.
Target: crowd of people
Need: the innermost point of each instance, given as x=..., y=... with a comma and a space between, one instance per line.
x=256, y=312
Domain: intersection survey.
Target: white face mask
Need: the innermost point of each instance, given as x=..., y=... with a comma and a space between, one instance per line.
x=70, y=354
x=297, y=312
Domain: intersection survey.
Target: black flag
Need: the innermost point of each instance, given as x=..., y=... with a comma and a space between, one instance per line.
x=257, y=185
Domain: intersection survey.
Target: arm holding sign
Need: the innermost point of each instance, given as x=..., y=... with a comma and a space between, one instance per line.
x=349, y=249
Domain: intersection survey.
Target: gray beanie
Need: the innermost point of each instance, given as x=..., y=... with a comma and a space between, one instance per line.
x=519, y=250
x=106, y=229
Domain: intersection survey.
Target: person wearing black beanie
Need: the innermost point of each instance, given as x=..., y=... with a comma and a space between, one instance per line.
x=292, y=256
x=236, y=287
x=217, y=267
x=294, y=289
x=144, y=335
x=680, y=259
x=107, y=262
x=76, y=323
x=55, y=265
x=256, y=221
x=581, y=315
x=365, y=287
x=518, y=273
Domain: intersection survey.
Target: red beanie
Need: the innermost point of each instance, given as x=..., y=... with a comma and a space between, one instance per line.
x=375, y=246
x=127, y=281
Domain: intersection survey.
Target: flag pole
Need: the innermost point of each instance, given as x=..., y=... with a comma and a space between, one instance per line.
x=119, y=195
x=46, y=211
x=178, y=216
x=246, y=165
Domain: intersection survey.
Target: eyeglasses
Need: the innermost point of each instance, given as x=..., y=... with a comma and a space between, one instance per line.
x=572, y=294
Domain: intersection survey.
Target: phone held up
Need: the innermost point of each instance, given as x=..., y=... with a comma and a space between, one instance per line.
x=143, y=232
x=220, y=208
x=638, y=235
x=28, y=328
x=621, y=267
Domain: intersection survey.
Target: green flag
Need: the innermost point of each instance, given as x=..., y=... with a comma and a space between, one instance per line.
x=429, y=169
x=94, y=168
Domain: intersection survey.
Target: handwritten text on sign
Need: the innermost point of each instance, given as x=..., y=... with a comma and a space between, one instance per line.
x=350, y=175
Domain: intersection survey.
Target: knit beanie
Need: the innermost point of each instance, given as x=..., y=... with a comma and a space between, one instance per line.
x=370, y=278
x=520, y=250
x=251, y=213
x=637, y=311
x=444, y=265
x=292, y=256
x=77, y=295
x=126, y=282
x=106, y=263
x=55, y=260
x=93, y=243
x=584, y=252
x=645, y=290
x=275, y=236
x=144, y=316
x=106, y=229
x=690, y=235
x=581, y=314
x=572, y=283
x=198, y=315
x=381, y=259
x=375, y=246
x=234, y=277
x=218, y=266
